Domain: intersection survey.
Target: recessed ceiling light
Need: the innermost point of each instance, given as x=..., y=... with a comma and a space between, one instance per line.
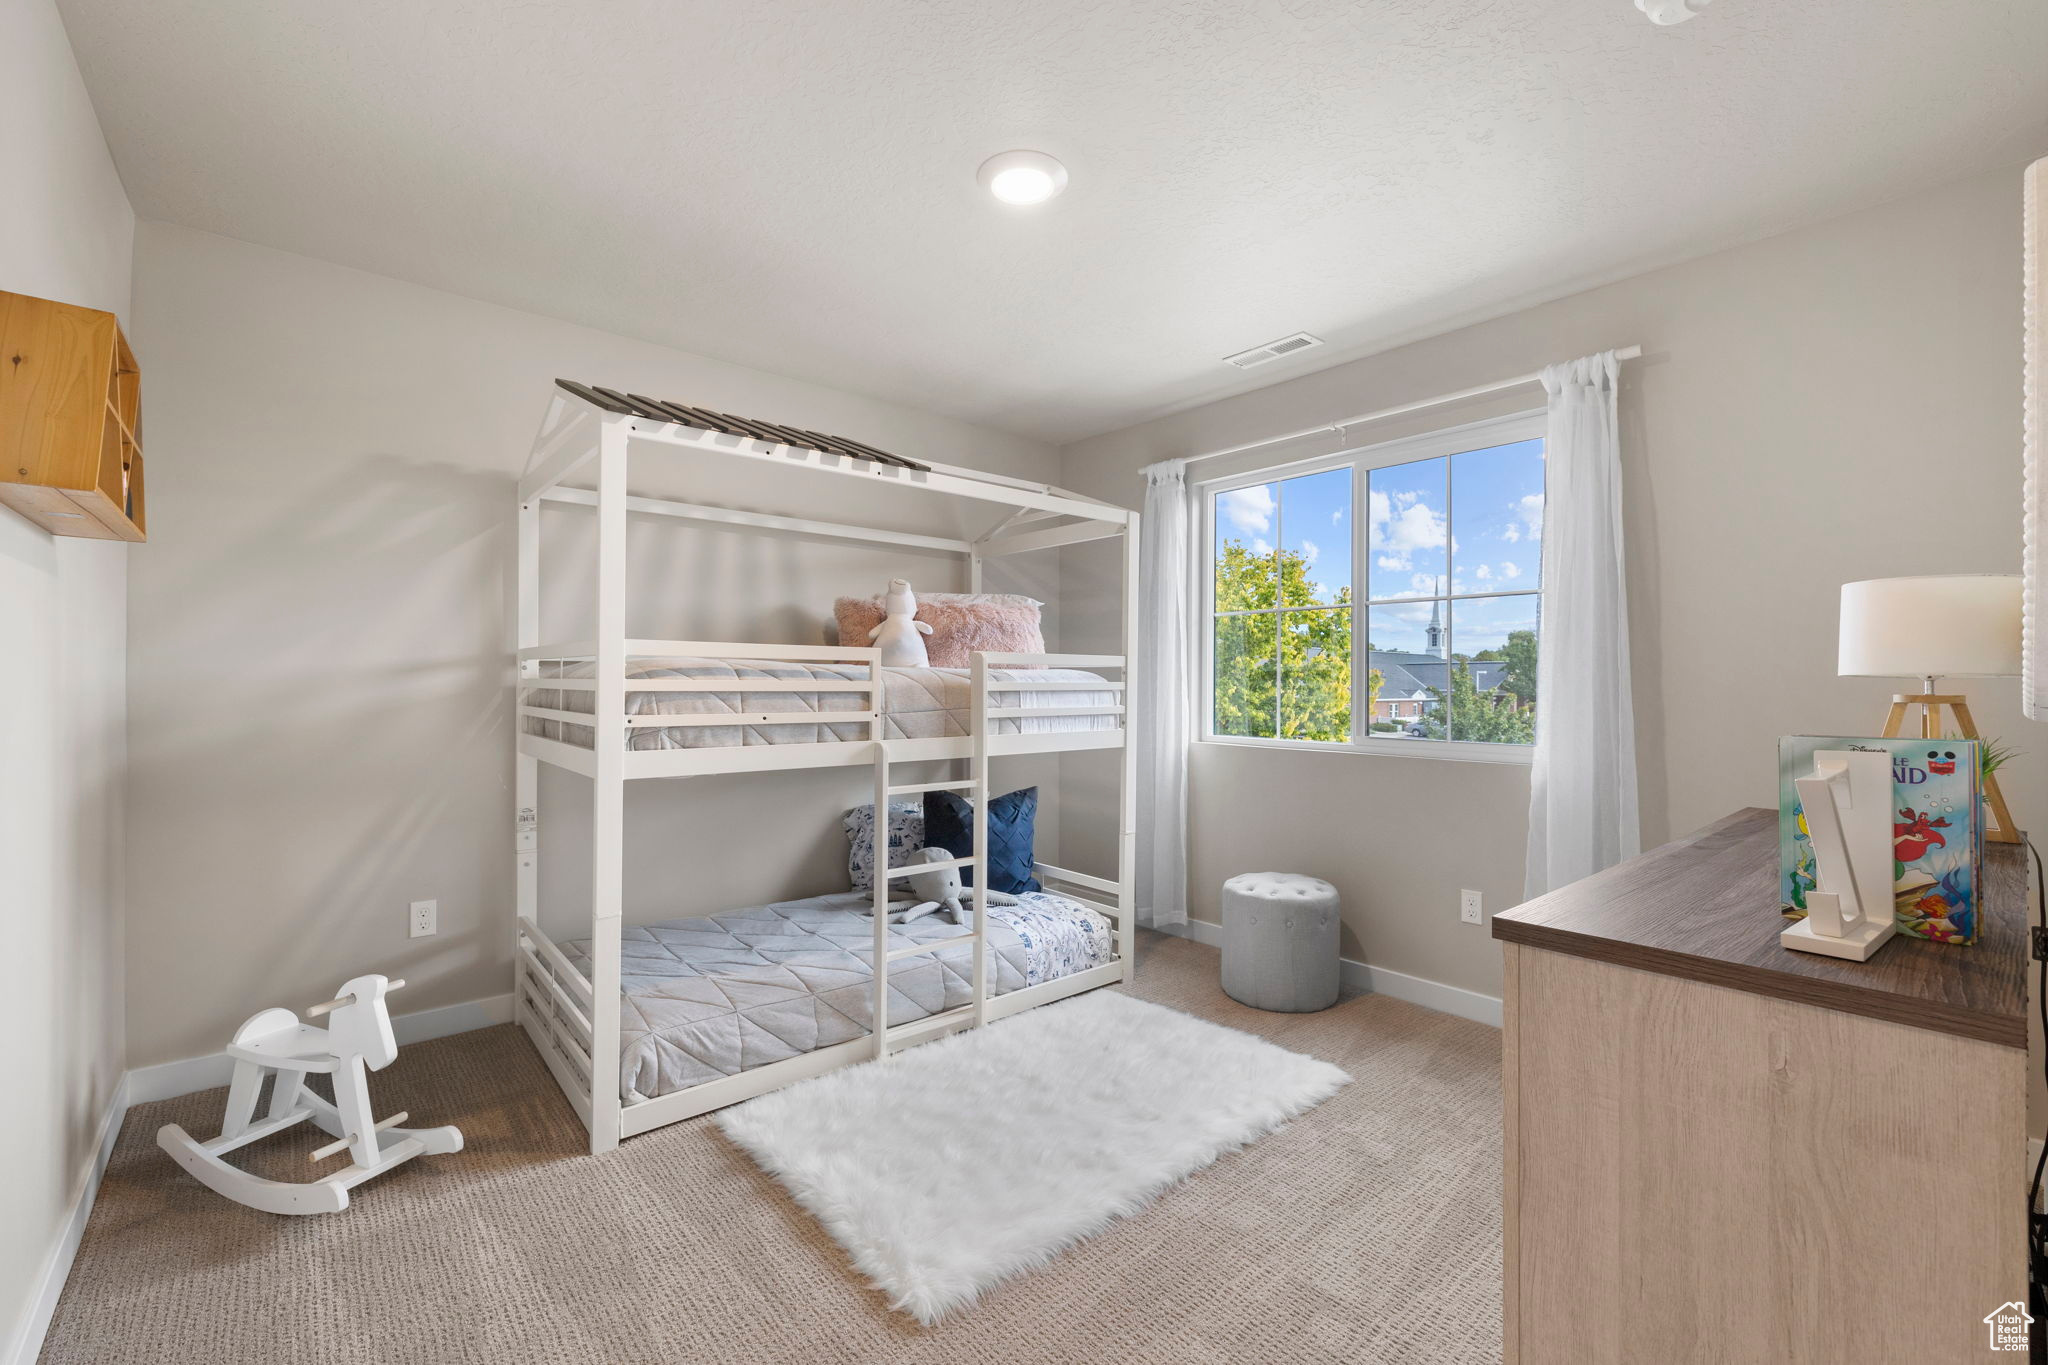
x=1022, y=177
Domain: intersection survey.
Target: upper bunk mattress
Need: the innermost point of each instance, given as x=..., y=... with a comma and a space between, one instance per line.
x=713, y=996
x=924, y=703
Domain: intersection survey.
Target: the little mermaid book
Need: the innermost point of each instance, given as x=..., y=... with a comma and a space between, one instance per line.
x=1937, y=825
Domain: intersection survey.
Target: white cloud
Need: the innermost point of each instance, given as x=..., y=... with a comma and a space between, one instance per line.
x=1401, y=526
x=1262, y=548
x=1337, y=517
x=1310, y=552
x=1525, y=518
x=1509, y=569
x=1482, y=572
x=1530, y=512
x=1249, y=510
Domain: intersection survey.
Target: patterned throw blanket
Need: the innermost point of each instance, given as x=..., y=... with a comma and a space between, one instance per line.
x=713, y=996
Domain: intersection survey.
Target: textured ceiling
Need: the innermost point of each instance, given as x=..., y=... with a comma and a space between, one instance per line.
x=790, y=184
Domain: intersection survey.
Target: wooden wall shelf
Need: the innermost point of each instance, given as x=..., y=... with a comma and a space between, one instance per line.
x=70, y=420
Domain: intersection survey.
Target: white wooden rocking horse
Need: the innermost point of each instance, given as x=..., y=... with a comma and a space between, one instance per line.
x=357, y=1040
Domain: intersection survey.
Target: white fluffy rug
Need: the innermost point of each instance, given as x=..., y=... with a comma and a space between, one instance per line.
x=953, y=1166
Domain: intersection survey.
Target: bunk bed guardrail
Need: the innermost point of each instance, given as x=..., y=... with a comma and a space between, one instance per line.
x=553, y=999
x=541, y=671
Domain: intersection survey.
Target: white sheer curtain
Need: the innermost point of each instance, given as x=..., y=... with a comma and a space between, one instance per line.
x=1582, y=786
x=1165, y=614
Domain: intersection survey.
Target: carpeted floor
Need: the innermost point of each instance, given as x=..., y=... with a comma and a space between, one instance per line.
x=1366, y=1231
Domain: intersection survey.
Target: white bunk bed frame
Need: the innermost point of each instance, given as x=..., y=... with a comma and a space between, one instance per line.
x=574, y=1020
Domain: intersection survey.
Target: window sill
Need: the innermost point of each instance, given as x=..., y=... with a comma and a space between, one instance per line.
x=1440, y=750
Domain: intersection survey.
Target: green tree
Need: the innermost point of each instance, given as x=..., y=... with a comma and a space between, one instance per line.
x=1246, y=675
x=1495, y=719
x=1300, y=660
x=1520, y=677
x=1315, y=675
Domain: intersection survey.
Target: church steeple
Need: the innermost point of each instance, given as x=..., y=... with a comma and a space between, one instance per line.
x=1436, y=623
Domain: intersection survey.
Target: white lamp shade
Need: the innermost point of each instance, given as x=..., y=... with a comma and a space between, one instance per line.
x=1952, y=626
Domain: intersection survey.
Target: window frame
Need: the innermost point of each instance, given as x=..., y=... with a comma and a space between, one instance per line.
x=1360, y=460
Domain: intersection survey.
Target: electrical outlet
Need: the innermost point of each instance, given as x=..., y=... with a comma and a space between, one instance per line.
x=1468, y=907
x=426, y=916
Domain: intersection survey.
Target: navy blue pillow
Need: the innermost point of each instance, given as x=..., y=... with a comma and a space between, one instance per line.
x=949, y=824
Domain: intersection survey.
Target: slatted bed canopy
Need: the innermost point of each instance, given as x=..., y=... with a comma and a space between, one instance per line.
x=801, y=481
x=662, y=410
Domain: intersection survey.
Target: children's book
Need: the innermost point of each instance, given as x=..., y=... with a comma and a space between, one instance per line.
x=1937, y=820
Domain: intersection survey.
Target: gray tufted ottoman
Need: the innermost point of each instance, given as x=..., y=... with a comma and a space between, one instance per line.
x=1280, y=941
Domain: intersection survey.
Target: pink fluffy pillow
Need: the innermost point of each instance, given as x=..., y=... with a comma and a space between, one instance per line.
x=961, y=622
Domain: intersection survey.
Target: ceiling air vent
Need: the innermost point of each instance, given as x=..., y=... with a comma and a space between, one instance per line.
x=1273, y=350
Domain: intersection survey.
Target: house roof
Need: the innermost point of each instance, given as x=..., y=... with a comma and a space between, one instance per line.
x=1408, y=674
x=663, y=410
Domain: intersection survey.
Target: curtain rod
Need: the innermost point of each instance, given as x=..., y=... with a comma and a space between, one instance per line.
x=1337, y=428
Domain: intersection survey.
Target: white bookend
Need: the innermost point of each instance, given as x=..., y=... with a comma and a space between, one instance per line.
x=1848, y=804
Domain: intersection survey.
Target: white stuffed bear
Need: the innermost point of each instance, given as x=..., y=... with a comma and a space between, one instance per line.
x=901, y=635
x=940, y=890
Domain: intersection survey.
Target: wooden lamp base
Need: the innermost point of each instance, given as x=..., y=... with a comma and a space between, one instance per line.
x=1930, y=704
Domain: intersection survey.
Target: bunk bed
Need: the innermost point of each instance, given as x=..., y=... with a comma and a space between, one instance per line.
x=613, y=1012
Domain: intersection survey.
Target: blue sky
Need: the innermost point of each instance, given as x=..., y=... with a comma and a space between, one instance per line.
x=1497, y=500
x=1497, y=494
x=1311, y=514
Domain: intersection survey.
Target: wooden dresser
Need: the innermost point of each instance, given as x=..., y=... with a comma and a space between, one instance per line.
x=1684, y=1097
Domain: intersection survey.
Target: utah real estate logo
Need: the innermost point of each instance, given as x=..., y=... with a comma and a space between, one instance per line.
x=2008, y=1326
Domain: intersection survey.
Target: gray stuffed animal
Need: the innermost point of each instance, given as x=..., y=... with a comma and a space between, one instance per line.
x=939, y=890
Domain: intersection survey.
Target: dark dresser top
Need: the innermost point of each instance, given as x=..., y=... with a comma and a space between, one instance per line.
x=1706, y=907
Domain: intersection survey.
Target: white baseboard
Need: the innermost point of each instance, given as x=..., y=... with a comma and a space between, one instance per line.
x=1419, y=990
x=1363, y=976
x=1200, y=930
x=166, y=1080
x=162, y=1082
x=25, y=1342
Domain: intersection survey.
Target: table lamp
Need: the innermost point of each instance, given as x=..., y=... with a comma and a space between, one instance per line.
x=1944, y=626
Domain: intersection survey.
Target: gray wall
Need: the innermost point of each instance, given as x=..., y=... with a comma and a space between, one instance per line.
x=321, y=624
x=65, y=234
x=1840, y=402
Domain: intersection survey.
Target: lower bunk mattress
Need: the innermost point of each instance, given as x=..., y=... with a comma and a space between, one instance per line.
x=922, y=703
x=720, y=994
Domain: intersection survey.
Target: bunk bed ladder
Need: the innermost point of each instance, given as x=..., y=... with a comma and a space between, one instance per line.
x=976, y=783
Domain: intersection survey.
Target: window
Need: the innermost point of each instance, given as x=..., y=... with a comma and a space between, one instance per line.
x=1385, y=598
